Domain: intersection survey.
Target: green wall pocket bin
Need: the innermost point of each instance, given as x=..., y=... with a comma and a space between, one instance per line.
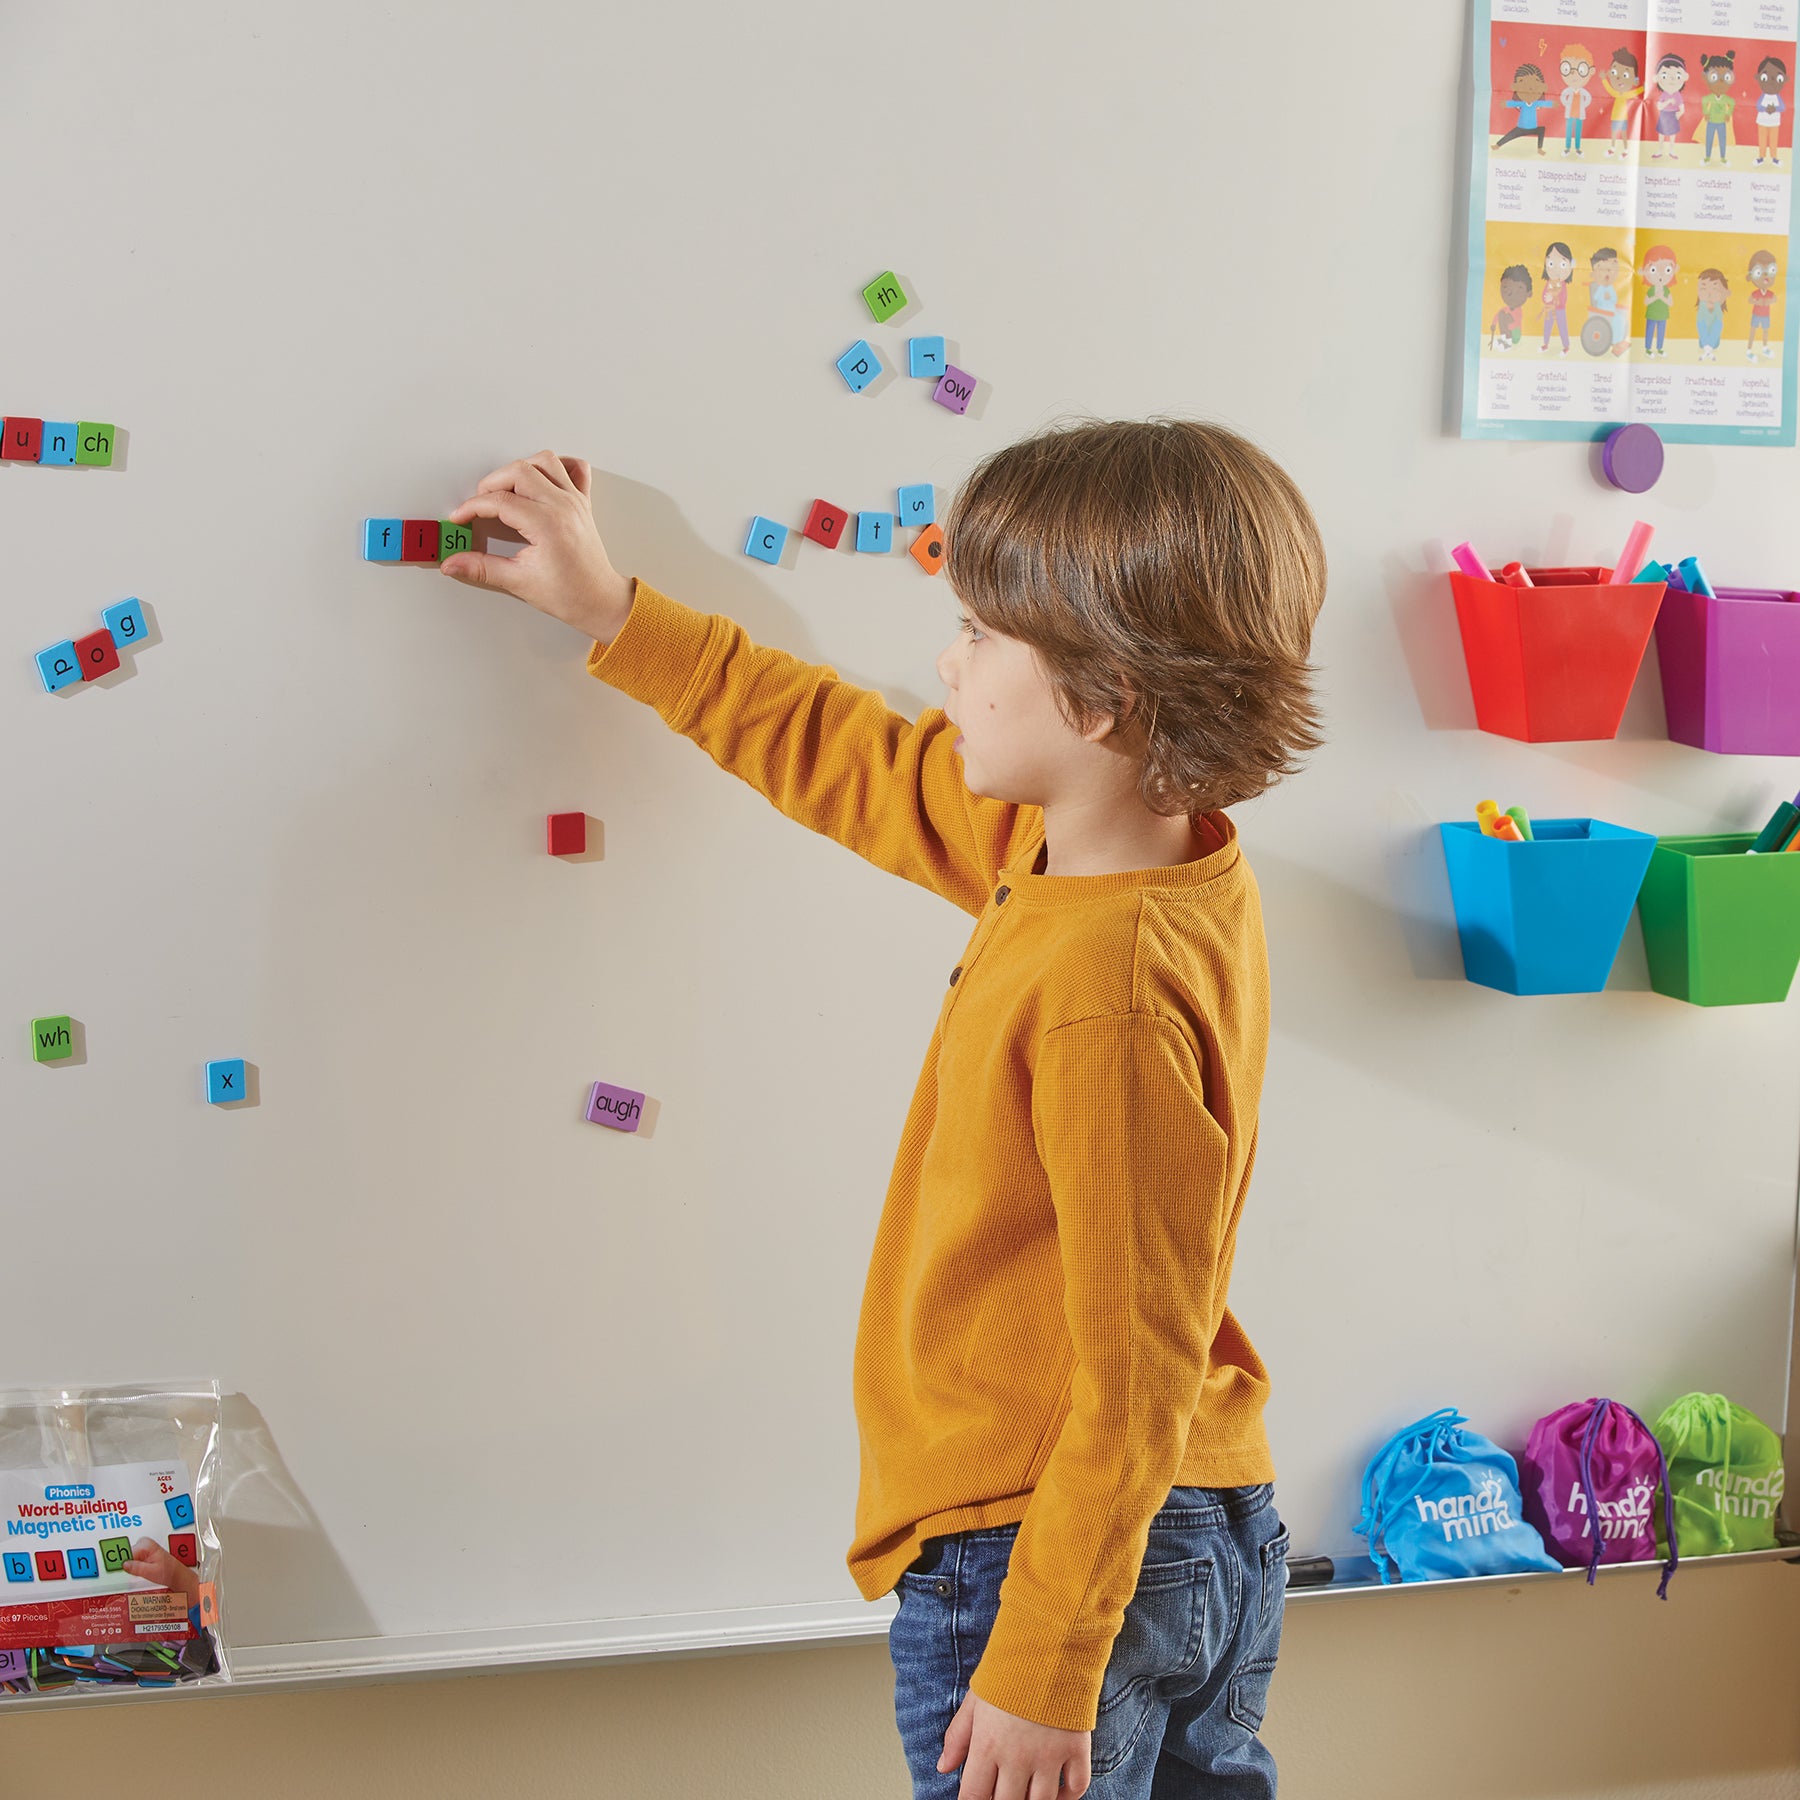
x=1721, y=927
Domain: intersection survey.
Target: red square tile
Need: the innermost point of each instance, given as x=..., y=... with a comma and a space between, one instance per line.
x=97, y=654
x=419, y=541
x=825, y=524
x=24, y=438
x=567, y=833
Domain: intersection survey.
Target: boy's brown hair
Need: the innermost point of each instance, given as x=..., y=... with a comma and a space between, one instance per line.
x=1164, y=558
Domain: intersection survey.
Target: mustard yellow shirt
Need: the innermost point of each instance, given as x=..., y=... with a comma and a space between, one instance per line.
x=1044, y=1335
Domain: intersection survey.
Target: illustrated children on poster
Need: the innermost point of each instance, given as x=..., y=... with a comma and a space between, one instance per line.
x=1607, y=303
x=1577, y=72
x=1659, y=297
x=1528, y=101
x=1559, y=265
x=1717, y=104
x=1762, y=303
x=1509, y=320
x=1709, y=313
x=1670, y=107
x=1623, y=85
x=1771, y=78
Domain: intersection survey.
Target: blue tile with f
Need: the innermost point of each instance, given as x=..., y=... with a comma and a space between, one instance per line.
x=125, y=621
x=925, y=356
x=58, y=442
x=918, y=505
x=766, y=541
x=859, y=365
x=58, y=666
x=225, y=1081
x=381, y=540
x=875, y=531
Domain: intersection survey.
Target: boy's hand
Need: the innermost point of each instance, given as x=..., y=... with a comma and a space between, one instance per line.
x=1005, y=1755
x=151, y=1561
x=563, y=569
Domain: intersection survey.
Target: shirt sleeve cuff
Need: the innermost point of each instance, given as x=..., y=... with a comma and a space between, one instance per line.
x=1035, y=1670
x=657, y=653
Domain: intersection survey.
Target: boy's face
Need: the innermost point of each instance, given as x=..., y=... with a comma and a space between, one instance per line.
x=1671, y=80
x=1623, y=76
x=1528, y=85
x=1712, y=291
x=1512, y=292
x=1762, y=271
x=1575, y=68
x=1771, y=81
x=1606, y=270
x=1015, y=745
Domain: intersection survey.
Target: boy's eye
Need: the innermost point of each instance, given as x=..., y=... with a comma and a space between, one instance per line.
x=968, y=625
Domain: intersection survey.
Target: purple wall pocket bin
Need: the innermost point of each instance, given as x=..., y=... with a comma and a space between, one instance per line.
x=1731, y=670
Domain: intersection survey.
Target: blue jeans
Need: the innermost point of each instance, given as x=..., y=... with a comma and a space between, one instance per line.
x=1188, y=1678
x=1711, y=127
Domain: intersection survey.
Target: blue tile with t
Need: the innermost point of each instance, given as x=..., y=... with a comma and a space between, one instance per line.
x=874, y=531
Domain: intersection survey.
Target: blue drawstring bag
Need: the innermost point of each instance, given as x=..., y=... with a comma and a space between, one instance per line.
x=1441, y=1502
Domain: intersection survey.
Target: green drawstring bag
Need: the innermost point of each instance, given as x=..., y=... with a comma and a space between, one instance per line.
x=1725, y=1474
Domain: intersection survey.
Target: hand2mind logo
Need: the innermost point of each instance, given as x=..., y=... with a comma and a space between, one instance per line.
x=1469, y=1515
x=1751, y=1496
x=1626, y=1517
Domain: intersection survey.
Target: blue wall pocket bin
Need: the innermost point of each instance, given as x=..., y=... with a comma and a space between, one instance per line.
x=1545, y=917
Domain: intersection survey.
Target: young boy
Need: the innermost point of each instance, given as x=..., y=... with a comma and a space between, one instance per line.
x=1064, y=1471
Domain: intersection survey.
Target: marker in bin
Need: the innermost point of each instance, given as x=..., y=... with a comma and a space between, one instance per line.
x=1694, y=577
x=1514, y=576
x=1512, y=826
x=1471, y=564
x=1779, y=833
x=1637, y=547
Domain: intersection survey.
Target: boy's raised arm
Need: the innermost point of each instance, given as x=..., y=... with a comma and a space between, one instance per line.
x=831, y=755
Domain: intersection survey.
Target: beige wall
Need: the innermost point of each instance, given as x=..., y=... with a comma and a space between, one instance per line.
x=1546, y=1690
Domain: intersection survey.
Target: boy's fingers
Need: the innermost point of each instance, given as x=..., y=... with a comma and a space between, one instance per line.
x=521, y=477
x=553, y=466
x=503, y=505
x=474, y=569
x=581, y=473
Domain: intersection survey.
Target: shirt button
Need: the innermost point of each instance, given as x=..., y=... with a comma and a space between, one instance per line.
x=956, y=975
x=1000, y=898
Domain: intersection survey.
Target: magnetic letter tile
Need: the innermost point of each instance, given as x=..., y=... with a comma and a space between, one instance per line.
x=115, y=1553
x=859, y=365
x=50, y=1565
x=93, y=444
x=13, y=1666
x=185, y=1548
x=180, y=1509
x=567, y=833
x=97, y=654
x=23, y=437
x=884, y=296
x=875, y=531
x=927, y=550
x=925, y=356
x=58, y=442
x=918, y=505
x=381, y=539
x=618, y=1107
x=225, y=1080
x=766, y=541
x=52, y=1039
x=209, y=1602
x=18, y=1566
x=84, y=1565
x=824, y=524
x=421, y=541
x=125, y=621
x=58, y=666
x=452, y=538
x=955, y=389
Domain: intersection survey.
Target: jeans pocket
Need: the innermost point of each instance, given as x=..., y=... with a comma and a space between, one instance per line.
x=1274, y=1575
x=1249, y=1693
x=1160, y=1636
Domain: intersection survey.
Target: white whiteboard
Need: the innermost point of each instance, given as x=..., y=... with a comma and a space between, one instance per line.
x=507, y=1382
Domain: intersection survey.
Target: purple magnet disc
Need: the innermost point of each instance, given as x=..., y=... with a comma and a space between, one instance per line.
x=1633, y=458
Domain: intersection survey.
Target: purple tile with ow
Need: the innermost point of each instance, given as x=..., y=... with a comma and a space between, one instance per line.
x=621, y=1108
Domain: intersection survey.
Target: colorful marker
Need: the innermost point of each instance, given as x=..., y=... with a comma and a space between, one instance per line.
x=1775, y=834
x=1514, y=576
x=1470, y=564
x=1637, y=547
x=1655, y=571
x=1487, y=814
x=1507, y=831
x=1695, y=578
x=1522, y=819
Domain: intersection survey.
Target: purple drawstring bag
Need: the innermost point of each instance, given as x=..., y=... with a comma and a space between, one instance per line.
x=1595, y=1463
